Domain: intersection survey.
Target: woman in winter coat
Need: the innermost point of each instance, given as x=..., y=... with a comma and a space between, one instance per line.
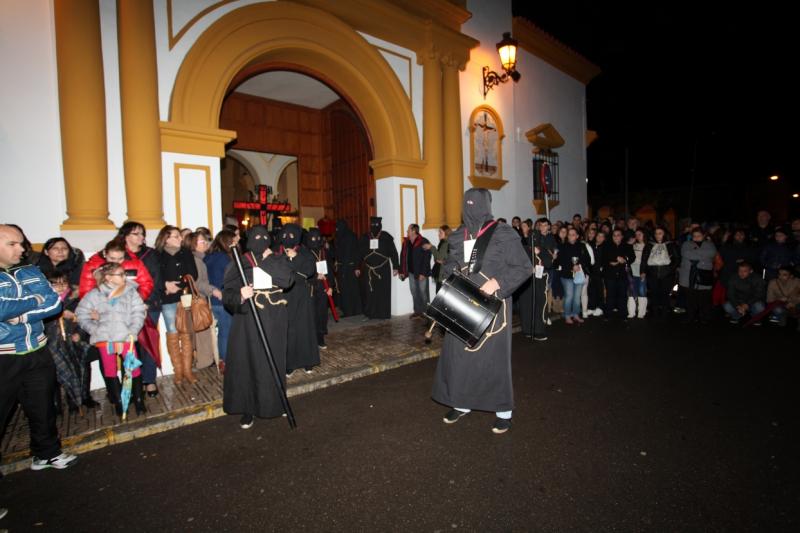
x=659, y=260
x=637, y=298
x=112, y=314
x=175, y=262
x=439, y=255
x=596, y=287
x=590, y=235
x=697, y=275
x=199, y=243
x=114, y=252
x=573, y=262
x=59, y=256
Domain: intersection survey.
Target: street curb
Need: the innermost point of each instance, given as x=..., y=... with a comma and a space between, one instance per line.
x=126, y=432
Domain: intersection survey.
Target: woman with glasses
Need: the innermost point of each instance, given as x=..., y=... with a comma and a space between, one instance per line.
x=135, y=235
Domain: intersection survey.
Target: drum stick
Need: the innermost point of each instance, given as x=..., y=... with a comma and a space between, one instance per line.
x=429, y=333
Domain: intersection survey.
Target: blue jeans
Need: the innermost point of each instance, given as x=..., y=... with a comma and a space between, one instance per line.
x=639, y=287
x=170, y=311
x=572, y=297
x=420, y=293
x=224, y=320
x=754, y=309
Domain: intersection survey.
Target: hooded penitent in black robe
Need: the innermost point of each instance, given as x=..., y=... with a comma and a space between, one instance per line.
x=302, y=350
x=532, y=305
x=249, y=387
x=377, y=270
x=346, y=257
x=316, y=245
x=481, y=379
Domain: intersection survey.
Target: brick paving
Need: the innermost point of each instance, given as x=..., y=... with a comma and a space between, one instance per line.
x=355, y=349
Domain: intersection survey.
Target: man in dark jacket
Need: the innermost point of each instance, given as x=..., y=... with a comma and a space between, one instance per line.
x=617, y=255
x=745, y=294
x=735, y=252
x=27, y=371
x=415, y=264
x=776, y=254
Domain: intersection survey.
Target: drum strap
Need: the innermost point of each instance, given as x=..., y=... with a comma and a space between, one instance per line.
x=475, y=262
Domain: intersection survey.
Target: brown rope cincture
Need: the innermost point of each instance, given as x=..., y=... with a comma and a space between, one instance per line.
x=492, y=332
x=373, y=269
x=267, y=294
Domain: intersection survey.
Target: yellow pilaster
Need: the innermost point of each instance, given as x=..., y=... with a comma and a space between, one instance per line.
x=453, y=155
x=432, y=140
x=81, y=98
x=141, y=136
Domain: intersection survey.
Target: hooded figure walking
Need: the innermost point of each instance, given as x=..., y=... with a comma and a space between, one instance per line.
x=479, y=378
x=345, y=254
x=379, y=255
x=302, y=350
x=249, y=388
x=316, y=245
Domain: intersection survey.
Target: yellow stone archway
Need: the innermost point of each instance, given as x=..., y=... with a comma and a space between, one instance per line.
x=312, y=39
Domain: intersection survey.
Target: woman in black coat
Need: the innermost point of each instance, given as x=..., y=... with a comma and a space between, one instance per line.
x=573, y=263
x=659, y=260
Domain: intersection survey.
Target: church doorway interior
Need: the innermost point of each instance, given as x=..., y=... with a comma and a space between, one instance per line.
x=303, y=140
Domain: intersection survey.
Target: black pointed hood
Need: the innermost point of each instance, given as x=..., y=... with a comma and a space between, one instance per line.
x=313, y=239
x=258, y=240
x=477, y=209
x=375, y=226
x=291, y=235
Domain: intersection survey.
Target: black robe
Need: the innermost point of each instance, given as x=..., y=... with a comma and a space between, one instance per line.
x=377, y=274
x=481, y=380
x=302, y=350
x=346, y=258
x=532, y=306
x=249, y=387
x=319, y=296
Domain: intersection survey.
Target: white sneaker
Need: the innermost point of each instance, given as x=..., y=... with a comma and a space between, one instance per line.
x=598, y=312
x=65, y=460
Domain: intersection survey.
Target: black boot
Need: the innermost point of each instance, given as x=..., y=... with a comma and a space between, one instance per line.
x=113, y=389
x=137, y=393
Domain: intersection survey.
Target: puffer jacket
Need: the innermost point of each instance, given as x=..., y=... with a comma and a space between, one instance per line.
x=144, y=281
x=120, y=317
x=19, y=287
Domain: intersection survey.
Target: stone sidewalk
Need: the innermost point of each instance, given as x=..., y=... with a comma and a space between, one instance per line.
x=355, y=349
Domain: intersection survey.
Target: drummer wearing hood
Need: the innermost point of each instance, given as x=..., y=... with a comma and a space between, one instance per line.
x=249, y=389
x=479, y=378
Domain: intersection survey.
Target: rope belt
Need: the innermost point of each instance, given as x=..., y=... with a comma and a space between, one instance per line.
x=267, y=295
x=373, y=270
x=492, y=332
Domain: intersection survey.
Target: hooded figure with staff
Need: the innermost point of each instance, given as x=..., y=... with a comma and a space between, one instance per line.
x=249, y=385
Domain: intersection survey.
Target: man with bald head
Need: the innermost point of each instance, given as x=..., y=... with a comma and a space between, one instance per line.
x=27, y=372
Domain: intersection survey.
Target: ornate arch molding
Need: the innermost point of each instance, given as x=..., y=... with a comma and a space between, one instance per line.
x=291, y=34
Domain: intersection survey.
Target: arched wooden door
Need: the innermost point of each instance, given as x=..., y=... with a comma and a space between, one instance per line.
x=352, y=184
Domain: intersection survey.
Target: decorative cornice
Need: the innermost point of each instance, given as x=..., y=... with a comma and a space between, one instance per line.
x=545, y=137
x=399, y=168
x=186, y=139
x=549, y=49
x=419, y=29
x=444, y=12
x=487, y=183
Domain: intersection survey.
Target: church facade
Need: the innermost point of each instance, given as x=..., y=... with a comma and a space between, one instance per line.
x=132, y=109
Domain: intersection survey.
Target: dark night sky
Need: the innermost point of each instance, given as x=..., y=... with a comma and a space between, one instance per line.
x=674, y=74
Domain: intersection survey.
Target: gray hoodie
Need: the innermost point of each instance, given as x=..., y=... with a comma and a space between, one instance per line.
x=120, y=317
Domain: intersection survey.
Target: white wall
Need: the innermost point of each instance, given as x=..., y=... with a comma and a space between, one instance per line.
x=543, y=94
x=31, y=178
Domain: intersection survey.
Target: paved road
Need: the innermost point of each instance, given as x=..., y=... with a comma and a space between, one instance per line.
x=619, y=427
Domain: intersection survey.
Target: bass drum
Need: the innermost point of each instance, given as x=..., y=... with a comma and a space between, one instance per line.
x=462, y=309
